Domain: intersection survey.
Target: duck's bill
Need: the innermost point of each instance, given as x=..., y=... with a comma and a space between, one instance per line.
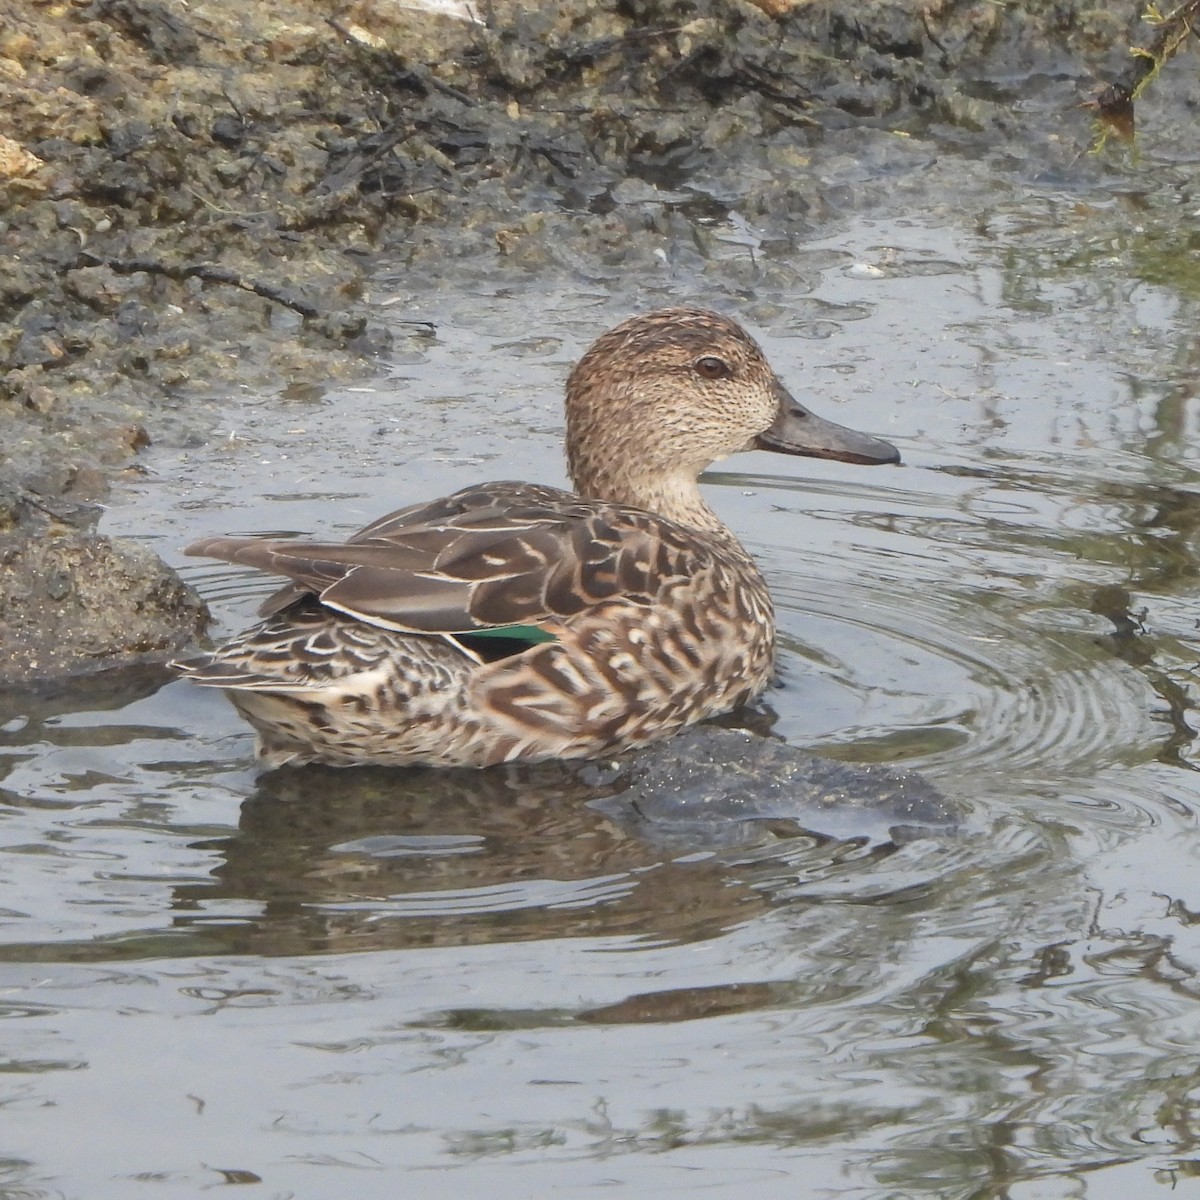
x=795, y=430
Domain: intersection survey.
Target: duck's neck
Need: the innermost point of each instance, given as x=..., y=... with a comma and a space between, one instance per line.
x=676, y=497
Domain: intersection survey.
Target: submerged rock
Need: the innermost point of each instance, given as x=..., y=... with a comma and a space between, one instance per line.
x=713, y=786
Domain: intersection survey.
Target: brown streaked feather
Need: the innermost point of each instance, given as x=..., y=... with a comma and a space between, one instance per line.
x=310, y=649
x=501, y=554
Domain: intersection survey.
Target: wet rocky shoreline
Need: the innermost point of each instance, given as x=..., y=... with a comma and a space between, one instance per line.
x=194, y=199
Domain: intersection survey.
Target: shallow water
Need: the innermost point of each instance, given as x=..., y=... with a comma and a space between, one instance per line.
x=331, y=983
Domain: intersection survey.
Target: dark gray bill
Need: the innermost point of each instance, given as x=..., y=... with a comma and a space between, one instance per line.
x=795, y=430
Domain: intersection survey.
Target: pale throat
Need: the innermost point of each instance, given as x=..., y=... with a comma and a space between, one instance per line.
x=674, y=496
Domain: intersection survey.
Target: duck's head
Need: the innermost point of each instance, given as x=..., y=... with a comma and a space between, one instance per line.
x=659, y=398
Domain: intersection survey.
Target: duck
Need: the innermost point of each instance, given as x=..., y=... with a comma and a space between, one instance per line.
x=517, y=622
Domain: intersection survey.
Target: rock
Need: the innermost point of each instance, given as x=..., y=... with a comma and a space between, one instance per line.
x=15, y=161
x=714, y=786
x=73, y=601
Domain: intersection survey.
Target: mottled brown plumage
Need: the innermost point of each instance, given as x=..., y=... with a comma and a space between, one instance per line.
x=511, y=621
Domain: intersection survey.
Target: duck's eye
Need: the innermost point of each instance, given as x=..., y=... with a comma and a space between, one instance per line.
x=712, y=367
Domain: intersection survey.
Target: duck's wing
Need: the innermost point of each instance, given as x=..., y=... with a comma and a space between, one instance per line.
x=493, y=555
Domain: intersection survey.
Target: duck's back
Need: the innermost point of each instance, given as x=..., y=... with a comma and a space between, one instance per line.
x=504, y=621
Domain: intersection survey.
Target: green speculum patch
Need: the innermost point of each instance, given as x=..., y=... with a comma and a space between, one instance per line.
x=504, y=641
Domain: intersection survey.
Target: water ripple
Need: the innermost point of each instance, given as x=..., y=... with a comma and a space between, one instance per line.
x=922, y=634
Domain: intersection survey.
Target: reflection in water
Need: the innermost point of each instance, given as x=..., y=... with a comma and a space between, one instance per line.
x=484, y=856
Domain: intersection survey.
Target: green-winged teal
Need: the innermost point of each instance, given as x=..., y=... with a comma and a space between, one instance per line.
x=512, y=621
